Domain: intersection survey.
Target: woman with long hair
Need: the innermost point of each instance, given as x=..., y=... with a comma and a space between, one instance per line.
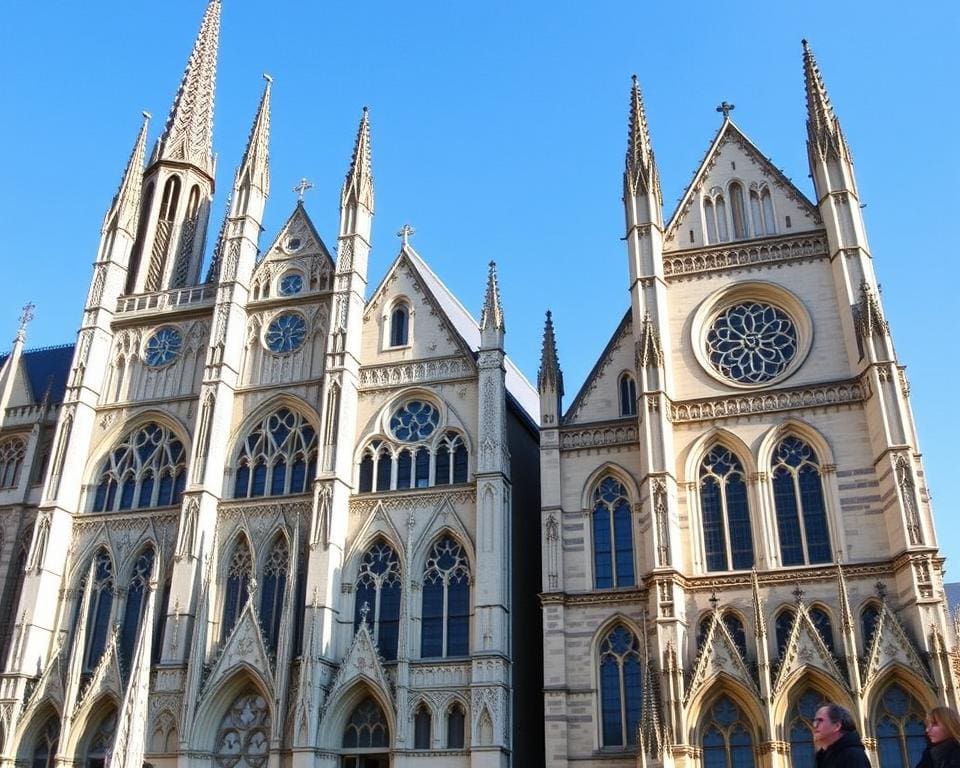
x=943, y=733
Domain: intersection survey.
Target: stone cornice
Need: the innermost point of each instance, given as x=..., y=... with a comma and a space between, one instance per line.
x=620, y=432
x=415, y=372
x=679, y=265
x=407, y=500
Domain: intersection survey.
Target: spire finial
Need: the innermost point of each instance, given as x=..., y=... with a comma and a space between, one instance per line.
x=358, y=186
x=640, y=174
x=726, y=108
x=254, y=169
x=823, y=127
x=302, y=187
x=492, y=314
x=188, y=135
x=26, y=315
x=549, y=373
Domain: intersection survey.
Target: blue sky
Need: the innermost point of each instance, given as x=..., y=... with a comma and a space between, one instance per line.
x=499, y=133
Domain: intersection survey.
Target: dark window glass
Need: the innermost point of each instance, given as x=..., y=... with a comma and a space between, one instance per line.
x=133, y=610
x=612, y=536
x=783, y=625
x=621, y=687
x=442, y=471
x=455, y=721
x=377, y=598
x=278, y=456
x=421, y=729
x=798, y=497
x=725, y=512
x=367, y=726
x=404, y=468
x=133, y=466
x=821, y=621
x=422, y=468
x=365, y=483
x=399, y=322
x=101, y=604
x=726, y=739
x=446, y=579
x=238, y=582
x=460, y=463
x=628, y=396
x=274, y=587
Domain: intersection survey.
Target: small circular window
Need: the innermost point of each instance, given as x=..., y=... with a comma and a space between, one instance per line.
x=751, y=342
x=163, y=347
x=286, y=333
x=290, y=284
x=413, y=421
x=292, y=244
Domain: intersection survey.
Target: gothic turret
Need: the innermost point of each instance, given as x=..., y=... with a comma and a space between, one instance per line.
x=492, y=327
x=254, y=170
x=550, y=377
x=178, y=185
x=826, y=144
x=641, y=180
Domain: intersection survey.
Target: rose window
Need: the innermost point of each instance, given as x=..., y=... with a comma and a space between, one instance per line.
x=286, y=333
x=752, y=342
x=291, y=284
x=415, y=420
x=163, y=347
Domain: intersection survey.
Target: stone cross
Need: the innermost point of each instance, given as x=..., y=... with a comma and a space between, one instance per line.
x=25, y=317
x=726, y=109
x=302, y=186
x=364, y=612
x=799, y=593
x=404, y=234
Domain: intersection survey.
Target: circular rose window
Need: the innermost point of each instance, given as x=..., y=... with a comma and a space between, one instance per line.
x=751, y=342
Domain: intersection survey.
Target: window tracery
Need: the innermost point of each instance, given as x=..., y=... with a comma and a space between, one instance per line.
x=45, y=746
x=727, y=538
x=133, y=610
x=612, y=536
x=279, y=456
x=445, y=621
x=101, y=743
x=12, y=454
x=100, y=609
x=383, y=467
x=751, y=342
x=148, y=469
x=377, y=591
x=239, y=573
x=800, y=728
x=414, y=421
x=621, y=687
x=782, y=628
x=271, y=595
x=821, y=622
x=800, y=508
x=286, y=333
x=367, y=727
x=243, y=740
x=727, y=742
x=900, y=729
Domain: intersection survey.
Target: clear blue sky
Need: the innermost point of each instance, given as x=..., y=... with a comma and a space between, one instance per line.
x=499, y=132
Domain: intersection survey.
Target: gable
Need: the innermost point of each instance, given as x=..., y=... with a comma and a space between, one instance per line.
x=599, y=397
x=297, y=247
x=771, y=204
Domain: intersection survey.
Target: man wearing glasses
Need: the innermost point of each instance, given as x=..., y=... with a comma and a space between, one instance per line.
x=836, y=739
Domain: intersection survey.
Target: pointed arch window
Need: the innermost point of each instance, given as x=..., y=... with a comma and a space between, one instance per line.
x=721, y=207
x=421, y=728
x=243, y=739
x=869, y=621
x=101, y=743
x=628, y=395
x=400, y=325
x=455, y=727
x=769, y=221
x=45, y=746
x=451, y=459
x=798, y=498
x=171, y=196
x=727, y=742
x=367, y=727
x=239, y=573
x=274, y=587
x=821, y=621
x=900, y=730
x=148, y=469
x=612, y=536
x=621, y=687
x=100, y=609
x=800, y=728
x=727, y=538
x=782, y=628
x=738, y=210
x=12, y=453
x=278, y=457
x=136, y=602
x=378, y=597
x=386, y=467
x=445, y=623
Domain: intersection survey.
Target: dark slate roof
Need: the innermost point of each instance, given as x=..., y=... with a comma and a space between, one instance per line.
x=46, y=367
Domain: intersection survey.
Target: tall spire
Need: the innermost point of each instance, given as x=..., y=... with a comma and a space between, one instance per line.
x=358, y=186
x=123, y=211
x=188, y=135
x=640, y=175
x=549, y=373
x=254, y=169
x=823, y=127
x=492, y=315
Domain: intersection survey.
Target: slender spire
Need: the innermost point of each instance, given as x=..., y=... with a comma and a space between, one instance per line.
x=823, y=127
x=640, y=175
x=549, y=373
x=126, y=203
x=188, y=135
x=492, y=315
x=254, y=169
x=358, y=187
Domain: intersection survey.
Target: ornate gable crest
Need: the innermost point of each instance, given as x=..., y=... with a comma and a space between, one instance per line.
x=50, y=686
x=244, y=647
x=298, y=244
x=362, y=662
x=890, y=645
x=378, y=522
x=444, y=516
x=806, y=648
x=719, y=655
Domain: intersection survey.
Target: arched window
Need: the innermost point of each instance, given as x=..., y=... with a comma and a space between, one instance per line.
x=445, y=624
x=798, y=496
x=421, y=728
x=374, y=467
x=455, y=722
x=711, y=218
x=148, y=469
x=278, y=457
x=721, y=219
x=451, y=460
x=171, y=196
x=101, y=743
x=99, y=610
x=273, y=590
x=621, y=687
x=612, y=536
x=628, y=395
x=769, y=222
x=756, y=214
x=193, y=202
x=399, y=325
x=782, y=628
x=727, y=539
x=869, y=620
x=726, y=738
x=800, y=728
x=821, y=620
x=11, y=459
x=133, y=611
x=378, y=597
x=45, y=746
x=900, y=729
x=738, y=210
x=243, y=738
x=239, y=572
x=367, y=727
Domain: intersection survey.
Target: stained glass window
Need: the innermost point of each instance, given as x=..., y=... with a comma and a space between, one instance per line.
x=751, y=342
x=798, y=496
x=239, y=573
x=727, y=742
x=628, y=395
x=421, y=728
x=101, y=605
x=727, y=538
x=279, y=456
x=621, y=687
x=782, y=626
x=800, y=728
x=163, y=347
x=445, y=622
x=273, y=590
x=612, y=536
x=243, y=740
x=901, y=736
x=148, y=469
x=821, y=620
x=12, y=453
x=869, y=618
x=45, y=747
x=378, y=597
x=286, y=333
x=290, y=284
x=413, y=421
x=133, y=611
x=367, y=726
x=399, y=325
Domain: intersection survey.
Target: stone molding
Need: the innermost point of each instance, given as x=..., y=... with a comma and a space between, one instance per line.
x=415, y=372
x=393, y=500
x=622, y=433
x=739, y=255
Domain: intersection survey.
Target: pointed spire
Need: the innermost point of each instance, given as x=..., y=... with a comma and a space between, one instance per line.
x=823, y=127
x=492, y=314
x=188, y=135
x=254, y=169
x=759, y=620
x=358, y=187
x=126, y=203
x=549, y=373
x=640, y=175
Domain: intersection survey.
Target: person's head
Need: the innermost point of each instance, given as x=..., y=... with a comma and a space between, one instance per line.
x=943, y=724
x=830, y=723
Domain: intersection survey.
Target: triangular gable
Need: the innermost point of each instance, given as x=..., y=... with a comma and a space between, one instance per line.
x=299, y=243
x=891, y=646
x=50, y=687
x=444, y=517
x=106, y=678
x=732, y=147
x=719, y=655
x=805, y=649
x=244, y=647
x=618, y=346
x=362, y=662
x=376, y=524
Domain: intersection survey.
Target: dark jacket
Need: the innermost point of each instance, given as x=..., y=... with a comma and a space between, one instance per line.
x=845, y=752
x=946, y=754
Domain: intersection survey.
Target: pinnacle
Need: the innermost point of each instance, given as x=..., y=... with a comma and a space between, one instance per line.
x=823, y=127
x=358, y=186
x=123, y=209
x=640, y=174
x=549, y=372
x=255, y=167
x=492, y=314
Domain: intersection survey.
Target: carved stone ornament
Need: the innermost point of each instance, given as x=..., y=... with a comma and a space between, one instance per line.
x=805, y=648
x=889, y=646
x=717, y=655
x=243, y=646
x=362, y=661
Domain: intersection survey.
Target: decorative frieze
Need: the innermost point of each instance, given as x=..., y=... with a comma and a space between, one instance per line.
x=364, y=505
x=842, y=393
x=415, y=372
x=440, y=676
x=739, y=255
x=572, y=439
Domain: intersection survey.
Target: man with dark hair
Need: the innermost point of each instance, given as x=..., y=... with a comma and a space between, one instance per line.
x=836, y=739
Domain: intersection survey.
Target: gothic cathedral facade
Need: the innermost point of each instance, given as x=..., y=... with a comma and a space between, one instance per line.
x=257, y=517
x=735, y=524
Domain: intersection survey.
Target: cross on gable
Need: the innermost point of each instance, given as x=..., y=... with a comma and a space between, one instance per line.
x=726, y=108
x=404, y=234
x=302, y=186
x=26, y=315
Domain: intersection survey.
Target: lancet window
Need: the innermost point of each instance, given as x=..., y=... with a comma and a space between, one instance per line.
x=727, y=538
x=45, y=746
x=800, y=728
x=621, y=687
x=612, y=536
x=455, y=727
x=900, y=729
x=738, y=210
x=148, y=469
x=443, y=460
x=243, y=739
x=869, y=620
x=445, y=621
x=134, y=608
x=274, y=587
x=421, y=728
x=99, y=609
x=761, y=211
x=400, y=325
x=367, y=727
x=378, y=597
x=101, y=742
x=798, y=497
x=12, y=453
x=727, y=742
x=239, y=573
x=278, y=457
x=628, y=395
